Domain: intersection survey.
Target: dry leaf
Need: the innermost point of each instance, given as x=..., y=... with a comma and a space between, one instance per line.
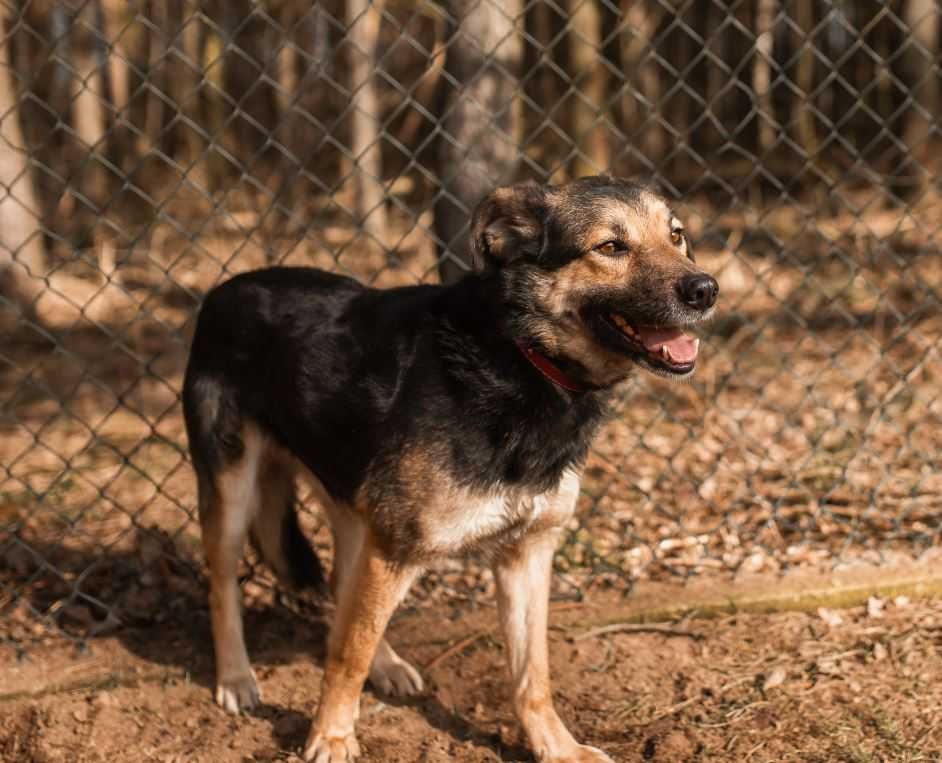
x=829, y=616
x=775, y=678
x=828, y=666
x=875, y=607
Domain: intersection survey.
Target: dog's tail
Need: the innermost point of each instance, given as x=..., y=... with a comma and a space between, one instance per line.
x=276, y=535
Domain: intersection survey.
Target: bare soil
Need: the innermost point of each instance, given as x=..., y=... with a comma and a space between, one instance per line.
x=856, y=685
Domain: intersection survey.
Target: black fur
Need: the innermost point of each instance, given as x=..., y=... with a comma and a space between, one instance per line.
x=304, y=566
x=343, y=376
x=347, y=378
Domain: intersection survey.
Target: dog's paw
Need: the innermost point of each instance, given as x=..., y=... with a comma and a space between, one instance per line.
x=321, y=748
x=582, y=754
x=396, y=678
x=237, y=694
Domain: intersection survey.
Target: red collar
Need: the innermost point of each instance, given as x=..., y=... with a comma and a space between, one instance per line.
x=546, y=367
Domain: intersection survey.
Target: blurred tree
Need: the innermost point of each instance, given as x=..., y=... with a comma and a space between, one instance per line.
x=189, y=136
x=90, y=93
x=306, y=71
x=22, y=257
x=479, y=141
x=762, y=73
x=363, y=20
x=922, y=61
x=643, y=87
x=590, y=85
x=805, y=101
x=249, y=73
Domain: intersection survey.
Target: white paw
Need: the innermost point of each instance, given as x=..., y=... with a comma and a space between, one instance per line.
x=395, y=677
x=321, y=748
x=236, y=694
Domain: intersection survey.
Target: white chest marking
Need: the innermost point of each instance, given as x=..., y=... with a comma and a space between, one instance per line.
x=467, y=519
x=473, y=518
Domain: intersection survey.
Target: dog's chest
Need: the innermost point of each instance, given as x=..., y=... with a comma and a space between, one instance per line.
x=465, y=520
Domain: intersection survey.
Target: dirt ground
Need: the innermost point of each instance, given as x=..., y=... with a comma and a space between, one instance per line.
x=856, y=685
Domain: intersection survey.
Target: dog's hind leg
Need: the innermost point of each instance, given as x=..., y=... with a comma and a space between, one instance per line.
x=389, y=673
x=276, y=534
x=228, y=501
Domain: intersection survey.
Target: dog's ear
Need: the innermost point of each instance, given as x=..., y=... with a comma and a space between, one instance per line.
x=508, y=224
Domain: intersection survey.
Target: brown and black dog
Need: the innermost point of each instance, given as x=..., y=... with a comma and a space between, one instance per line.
x=435, y=421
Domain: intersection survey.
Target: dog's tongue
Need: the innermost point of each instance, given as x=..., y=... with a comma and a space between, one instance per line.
x=682, y=348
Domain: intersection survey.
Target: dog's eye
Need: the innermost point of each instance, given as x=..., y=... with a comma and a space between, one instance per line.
x=612, y=249
x=677, y=236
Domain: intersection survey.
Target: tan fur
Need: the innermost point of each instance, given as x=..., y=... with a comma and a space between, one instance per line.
x=252, y=495
x=646, y=230
x=364, y=607
x=567, y=334
x=454, y=519
x=388, y=671
x=232, y=504
x=523, y=586
x=368, y=587
x=275, y=488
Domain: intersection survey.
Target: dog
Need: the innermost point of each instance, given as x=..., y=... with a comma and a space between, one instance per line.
x=434, y=421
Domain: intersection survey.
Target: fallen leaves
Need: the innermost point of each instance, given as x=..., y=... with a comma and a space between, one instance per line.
x=774, y=679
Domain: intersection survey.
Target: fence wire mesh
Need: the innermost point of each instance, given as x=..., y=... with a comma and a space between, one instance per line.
x=151, y=150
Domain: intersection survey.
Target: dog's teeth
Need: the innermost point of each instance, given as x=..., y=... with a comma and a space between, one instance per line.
x=665, y=353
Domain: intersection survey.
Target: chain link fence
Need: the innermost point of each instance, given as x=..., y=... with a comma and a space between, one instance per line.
x=152, y=149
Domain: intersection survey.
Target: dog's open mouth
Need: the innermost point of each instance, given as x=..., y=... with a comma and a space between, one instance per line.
x=663, y=348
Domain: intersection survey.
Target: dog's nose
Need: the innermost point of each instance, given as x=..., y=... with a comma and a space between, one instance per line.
x=698, y=290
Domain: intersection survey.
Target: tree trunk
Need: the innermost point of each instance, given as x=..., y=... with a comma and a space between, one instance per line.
x=119, y=78
x=807, y=131
x=22, y=257
x=478, y=148
x=363, y=17
x=641, y=98
x=589, y=83
x=922, y=24
x=762, y=73
x=184, y=90
x=248, y=71
x=89, y=96
x=157, y=35
x=306, y=108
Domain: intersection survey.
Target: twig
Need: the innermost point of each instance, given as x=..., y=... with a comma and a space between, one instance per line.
x=460, y=646
x=692, y=701
x=466, y=642
x=635, y=628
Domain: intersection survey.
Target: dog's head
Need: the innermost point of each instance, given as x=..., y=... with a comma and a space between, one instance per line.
x=598, y=272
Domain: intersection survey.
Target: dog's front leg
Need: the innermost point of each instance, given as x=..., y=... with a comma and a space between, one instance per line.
x=363, y=611
x=523, y=586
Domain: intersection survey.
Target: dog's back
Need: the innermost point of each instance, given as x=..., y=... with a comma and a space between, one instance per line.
x=285, y=347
